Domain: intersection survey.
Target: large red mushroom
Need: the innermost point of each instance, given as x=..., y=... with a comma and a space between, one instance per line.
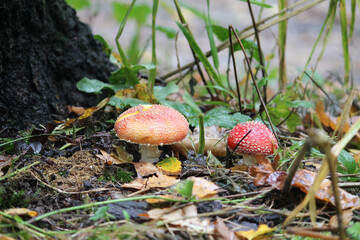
x=250, y=139
x=151, y=126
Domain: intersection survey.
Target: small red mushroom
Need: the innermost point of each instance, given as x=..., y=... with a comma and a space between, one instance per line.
x=151, y=126
x=259, y=141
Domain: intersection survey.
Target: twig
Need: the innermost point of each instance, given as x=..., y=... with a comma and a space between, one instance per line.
x=294, y=167
x=262, y=63
x=235, y=71
x=321, y=139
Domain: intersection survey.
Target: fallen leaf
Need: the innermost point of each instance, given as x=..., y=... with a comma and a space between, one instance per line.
x=4, y=237
x=145, y=169
x=76, y=110
x=170, y=166
x=222, y=232
x=346, y=217
x=184, y=217
x=157, y=181
x=20, y=211
x=330, y=121
x=87, y=113
x=139, y=91
x=5, y=161
x=252, y=234
x=110, y=159
x=303, y=180
x=203, y=188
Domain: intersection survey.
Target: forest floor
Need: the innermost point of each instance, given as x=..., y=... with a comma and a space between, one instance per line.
x=75, y=179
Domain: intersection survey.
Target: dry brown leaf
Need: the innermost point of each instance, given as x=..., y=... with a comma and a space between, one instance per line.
x=184, y=217
x=222, y=232
x=157, y=181
x=110, y=159
x=262, y=171
x=20, y=211
x=203, y=188
x=330, y=121
x=346, y=217
x=252, y=234
x=4, y=237
x=144, y=169
x=5, y=161
x=77, y=110
x=303, y=179
x=87, y=113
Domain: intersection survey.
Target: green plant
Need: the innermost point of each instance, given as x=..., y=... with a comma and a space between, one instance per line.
x=185, y=188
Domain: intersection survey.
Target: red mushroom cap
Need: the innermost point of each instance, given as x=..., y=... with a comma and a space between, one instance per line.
x=260, y=141
x=151, y=125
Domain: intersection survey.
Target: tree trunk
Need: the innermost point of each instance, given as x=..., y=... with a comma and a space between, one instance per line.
x=44, y=51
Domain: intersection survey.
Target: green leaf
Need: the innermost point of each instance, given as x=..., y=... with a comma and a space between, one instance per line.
x=100, y=213
x=347, y=163
x=169, y=32
x=139, y=67
x=122, y=103
x=140, y=12
x=107, y=49
x=300, y=103
x=190, y=101
x=78, y=4
x=292, y=122
x=124, y=76
x=261, y=4
x=185, y=188
x=161, y=92
x=223, y=117
x=184, y=109
x=210, y=34
x=95, y=86
x=354, y=230
x=220, y=32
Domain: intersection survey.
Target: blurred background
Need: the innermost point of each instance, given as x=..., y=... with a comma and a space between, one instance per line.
x=104, y=18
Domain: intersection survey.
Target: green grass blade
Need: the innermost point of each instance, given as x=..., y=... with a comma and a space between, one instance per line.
x=352, y=21
x=151, y=81
x=282, y=45
x=209, y=31
x=345, y=42
x=209, y=69
x=129, y=75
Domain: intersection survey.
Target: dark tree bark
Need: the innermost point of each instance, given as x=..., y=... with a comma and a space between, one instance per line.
x=44, y=51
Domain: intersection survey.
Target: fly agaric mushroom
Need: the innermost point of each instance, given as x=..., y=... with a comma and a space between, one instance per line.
x=259, y=141
x=151, y=126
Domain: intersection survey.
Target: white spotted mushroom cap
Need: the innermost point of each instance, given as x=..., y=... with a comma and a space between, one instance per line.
x=260, y=141
x=151, y=125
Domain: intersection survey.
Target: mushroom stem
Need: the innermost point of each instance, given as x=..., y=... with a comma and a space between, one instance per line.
x=149, y=154
x=249, y=160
